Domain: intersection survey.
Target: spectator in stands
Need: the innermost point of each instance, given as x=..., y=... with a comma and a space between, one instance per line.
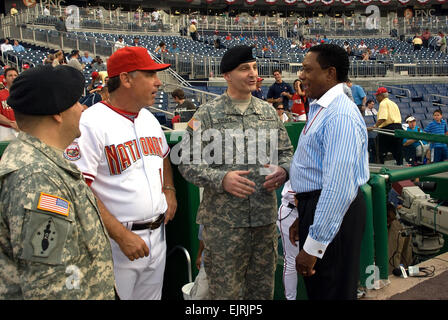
x=119, y=43
x=349, y=51
x=136, y=42
x=229, y=36
x=86, y=59
x=161, y=48
x=14, y=11
x=426, y=35
x=346, y=46
x=155, y=16
x=389, y=117
x=412, y=149
x=348, y=91
x=96, y=79
x=325, y=39
x=281, y=112
x=438, y=126
x=74, y=60
x=359, y=95
x=258, y=92
x=98, y=64
x=280, y=91
x=298, y=101
x=371, y=112
x=49, y=59
x=58, y=58
x=174, y=48
x=264, y=50
x=46, y=12
x=384, y=50
x=417, y=42
x=182, y=103
x=193, y=31
x=98, y=94
x=362, y=46
x=366, y=55
x=60, y=25
x=18, y=47
x=6, y=46
x=8, y=125
x=442, y=42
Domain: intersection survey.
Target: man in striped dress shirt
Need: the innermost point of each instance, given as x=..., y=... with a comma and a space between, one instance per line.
x=328, y=168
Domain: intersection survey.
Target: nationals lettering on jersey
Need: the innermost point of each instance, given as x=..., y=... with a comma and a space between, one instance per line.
x=122, y=156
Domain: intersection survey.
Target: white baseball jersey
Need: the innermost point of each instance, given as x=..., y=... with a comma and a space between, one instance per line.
x=123, y=156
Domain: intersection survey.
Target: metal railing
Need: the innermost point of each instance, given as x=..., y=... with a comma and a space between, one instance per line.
x=93, y=18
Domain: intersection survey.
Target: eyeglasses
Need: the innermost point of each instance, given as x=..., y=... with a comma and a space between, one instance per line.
x=280, y=108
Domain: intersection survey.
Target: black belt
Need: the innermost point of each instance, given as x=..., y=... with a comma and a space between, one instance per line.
x=308, y=195
x=149, y=225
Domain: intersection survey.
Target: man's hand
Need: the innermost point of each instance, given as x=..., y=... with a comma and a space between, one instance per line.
x=13, y=125
x=132, y=245
x=305, y=264
x=275, y=179
x=237, y=185
x=294, y=232
x=171, y=200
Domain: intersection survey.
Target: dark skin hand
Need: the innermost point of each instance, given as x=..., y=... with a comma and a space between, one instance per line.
x=304, y=261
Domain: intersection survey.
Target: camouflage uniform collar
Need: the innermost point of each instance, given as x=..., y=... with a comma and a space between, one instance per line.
x=230, y=107
x=51, y=153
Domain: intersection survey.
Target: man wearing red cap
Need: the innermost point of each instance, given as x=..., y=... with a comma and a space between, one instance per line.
x=124, y=158
x=388, y=117
x=8, y=125
x=14, y=10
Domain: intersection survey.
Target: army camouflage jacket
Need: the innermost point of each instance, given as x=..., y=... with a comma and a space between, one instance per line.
x=53, y=244
x=249, y=141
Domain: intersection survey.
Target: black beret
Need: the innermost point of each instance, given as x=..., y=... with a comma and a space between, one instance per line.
x=46, y=90
x=236, y=56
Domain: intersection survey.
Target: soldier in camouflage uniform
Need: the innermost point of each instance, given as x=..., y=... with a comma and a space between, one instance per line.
x=238, y=208
x=53, y=244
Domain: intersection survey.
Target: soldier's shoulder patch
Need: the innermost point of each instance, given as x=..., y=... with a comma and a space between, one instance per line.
x=55, y=204
x=194, y=124
x=73, y=152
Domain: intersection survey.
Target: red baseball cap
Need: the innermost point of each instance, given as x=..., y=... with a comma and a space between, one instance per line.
x=26, y=66
x=95, y=74
x=259, y=79
x=380, y=90
x=130, y=59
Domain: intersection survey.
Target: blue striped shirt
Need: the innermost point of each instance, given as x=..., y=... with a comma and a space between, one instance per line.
x=331, y=156
x=437, y=128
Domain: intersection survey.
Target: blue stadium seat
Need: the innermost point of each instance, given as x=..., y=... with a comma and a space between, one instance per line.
x=420, y=116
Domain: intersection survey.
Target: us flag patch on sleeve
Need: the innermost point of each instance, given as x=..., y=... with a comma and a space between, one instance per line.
x=48, y=202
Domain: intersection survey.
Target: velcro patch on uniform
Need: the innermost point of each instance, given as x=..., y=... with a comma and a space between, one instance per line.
x=72, y=152
x=48, y=202
x=194, y=124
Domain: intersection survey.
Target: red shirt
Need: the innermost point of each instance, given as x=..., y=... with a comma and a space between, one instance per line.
x=298, y=104
x=6, y=110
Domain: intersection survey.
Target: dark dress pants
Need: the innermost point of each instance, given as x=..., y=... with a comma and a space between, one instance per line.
x=337, y=273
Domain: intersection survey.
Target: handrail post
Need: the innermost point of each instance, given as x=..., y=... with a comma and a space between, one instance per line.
x=378, y=184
